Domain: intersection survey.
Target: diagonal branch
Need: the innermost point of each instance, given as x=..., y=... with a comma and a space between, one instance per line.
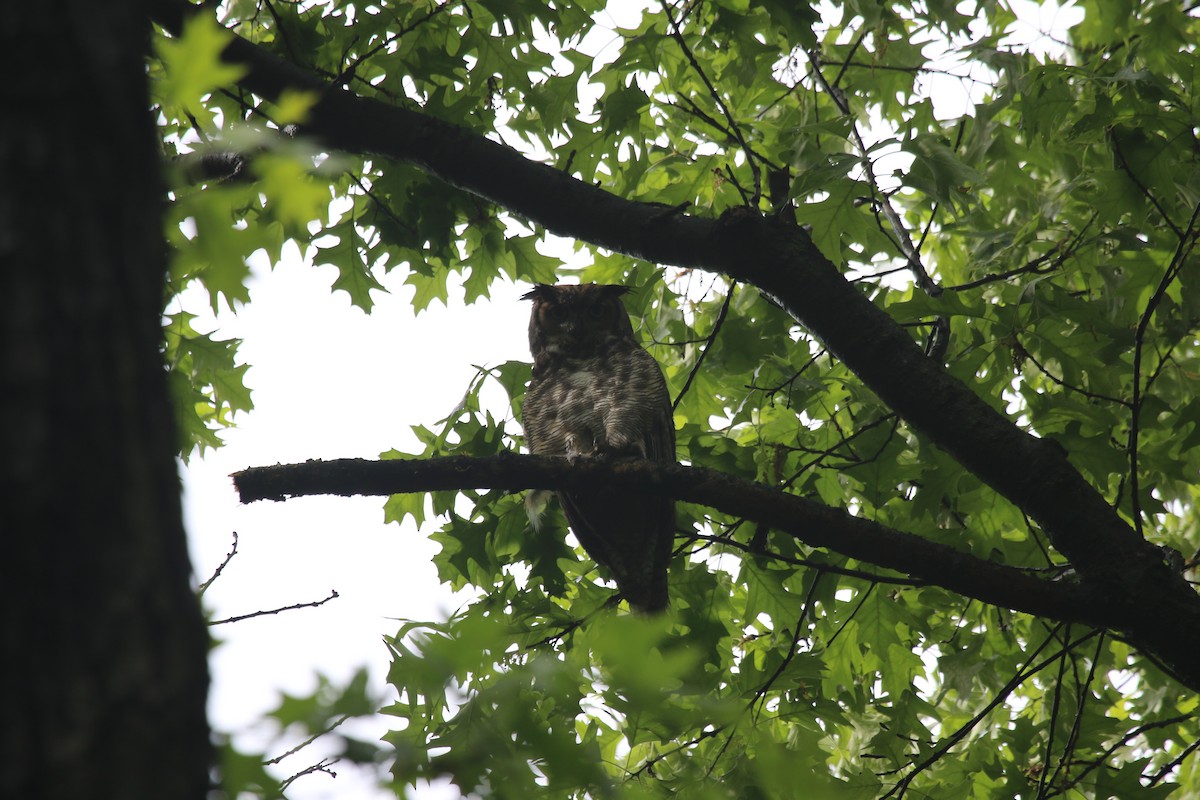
x=880, y=198
x=946, y=745
x=712, y=337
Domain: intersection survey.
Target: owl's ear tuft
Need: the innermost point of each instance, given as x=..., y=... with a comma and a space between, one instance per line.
x=615, y=289
x=540, y=291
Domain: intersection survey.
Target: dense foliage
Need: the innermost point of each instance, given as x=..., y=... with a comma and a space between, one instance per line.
x=1027, y=214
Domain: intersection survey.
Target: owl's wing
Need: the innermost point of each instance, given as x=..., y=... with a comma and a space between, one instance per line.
x=660, y=434
x=633, y=534
x=639, y=420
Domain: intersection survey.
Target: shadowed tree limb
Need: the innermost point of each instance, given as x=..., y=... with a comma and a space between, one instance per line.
x=813, y=523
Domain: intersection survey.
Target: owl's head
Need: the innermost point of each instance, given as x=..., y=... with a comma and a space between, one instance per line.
x=577, y=320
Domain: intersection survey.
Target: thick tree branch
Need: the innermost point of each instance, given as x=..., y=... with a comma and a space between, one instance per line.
x=813, y=523
x=780, y=259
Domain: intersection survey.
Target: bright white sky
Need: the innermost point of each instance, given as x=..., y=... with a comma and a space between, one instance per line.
x=329, y=382
x=332, y=382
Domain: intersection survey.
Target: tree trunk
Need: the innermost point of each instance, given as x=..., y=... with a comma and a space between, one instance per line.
x=104, y=646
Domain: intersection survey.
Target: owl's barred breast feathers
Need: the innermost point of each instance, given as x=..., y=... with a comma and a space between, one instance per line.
x=596, y=393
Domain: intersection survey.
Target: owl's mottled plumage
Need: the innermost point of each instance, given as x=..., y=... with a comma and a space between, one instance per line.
x=596, y=393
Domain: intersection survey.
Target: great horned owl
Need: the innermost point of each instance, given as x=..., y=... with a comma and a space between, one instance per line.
x=596, y=393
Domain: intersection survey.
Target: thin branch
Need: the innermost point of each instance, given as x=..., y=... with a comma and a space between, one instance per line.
x=1055, y=705
x=307, y=741
x=648, y=764
x=729, y=176
x=280, y=29
x=553, y=638
x=1049, y=261
x=196, y=127
x=702, y=115
x=922, y=70
x=1163, y=360
x=751, y=162
x=220, y=567
x=881, y=274
x=962, y=130
x=1023, y=353
x=1174, y=763
x=1187, y=241
x=352, y=69
x=1035, y=267
x=332, y=596
x=1064, y=760
x=1143, y=188
x=881, y=200
x=380, y=206
x=837, y=79
x=1124, y=740
x=853, y=458
x=707, y=345
x=808, y=563
x=853, y=613
x=771, y=391
x=321, y=766
x=953, y=739
x=805, y=611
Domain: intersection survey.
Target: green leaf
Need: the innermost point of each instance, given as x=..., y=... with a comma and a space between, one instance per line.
x=193, y=65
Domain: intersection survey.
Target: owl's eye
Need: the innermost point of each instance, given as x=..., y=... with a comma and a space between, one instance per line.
x=596, y=312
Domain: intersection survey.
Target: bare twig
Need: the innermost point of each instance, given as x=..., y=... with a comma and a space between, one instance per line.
x=307, y=741
x=771, y=391
x=648, y=764
x=220, y=567
x=1064, y=760
x=321, y=766
x=332, y=595
x=1173, y=763
x=351, y=70
x=854, y=613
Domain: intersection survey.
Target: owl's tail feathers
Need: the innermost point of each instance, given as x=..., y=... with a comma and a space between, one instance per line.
x=645, y=598
x=536, y=501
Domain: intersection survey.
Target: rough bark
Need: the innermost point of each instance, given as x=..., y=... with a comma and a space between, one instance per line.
x=809, y=521
x=104, y=643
